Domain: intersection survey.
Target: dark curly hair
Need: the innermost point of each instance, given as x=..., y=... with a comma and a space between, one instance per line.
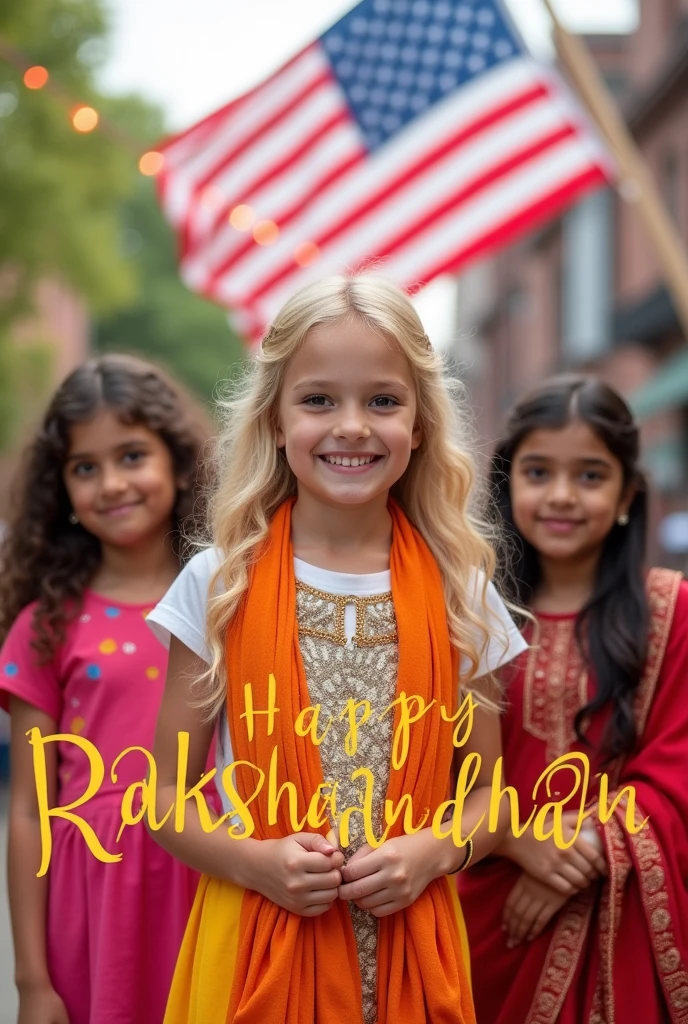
x=612, y=628
x=43, y=557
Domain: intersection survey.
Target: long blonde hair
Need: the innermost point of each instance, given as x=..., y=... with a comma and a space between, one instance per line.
x=436, y=491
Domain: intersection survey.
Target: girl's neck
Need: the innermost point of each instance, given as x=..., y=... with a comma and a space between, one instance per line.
x=356, y=539
x=138, y=574
x=565, y=586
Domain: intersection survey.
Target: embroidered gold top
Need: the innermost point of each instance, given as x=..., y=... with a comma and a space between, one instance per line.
x=336, y=670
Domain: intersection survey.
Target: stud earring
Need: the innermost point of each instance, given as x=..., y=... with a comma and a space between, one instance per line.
x=623, y=520
x=73, y=518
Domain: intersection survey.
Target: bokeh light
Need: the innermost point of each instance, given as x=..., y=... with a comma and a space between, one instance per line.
x=242, y=217
x=151, y=163
x=266, y=232
x=306, y=253
x=212, y=198
x=85, y=119
x=35, y=77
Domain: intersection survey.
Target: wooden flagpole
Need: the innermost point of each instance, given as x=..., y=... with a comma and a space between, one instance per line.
x=637, y=185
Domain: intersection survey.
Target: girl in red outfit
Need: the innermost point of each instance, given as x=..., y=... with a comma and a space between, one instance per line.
x=599, y=932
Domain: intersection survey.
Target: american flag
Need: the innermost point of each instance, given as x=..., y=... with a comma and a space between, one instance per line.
x=416, y=134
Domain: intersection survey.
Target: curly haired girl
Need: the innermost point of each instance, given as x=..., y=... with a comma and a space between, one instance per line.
x=108, y=479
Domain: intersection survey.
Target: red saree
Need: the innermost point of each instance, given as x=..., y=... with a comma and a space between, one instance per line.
x=616, y=953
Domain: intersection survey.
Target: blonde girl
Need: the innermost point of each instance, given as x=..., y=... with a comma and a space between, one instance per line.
x=346, y=567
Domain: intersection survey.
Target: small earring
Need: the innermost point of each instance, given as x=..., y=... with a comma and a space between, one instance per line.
x=623, y=520
x=73, y=518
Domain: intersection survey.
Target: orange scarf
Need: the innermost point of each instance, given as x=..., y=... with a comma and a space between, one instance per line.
x=301, y=970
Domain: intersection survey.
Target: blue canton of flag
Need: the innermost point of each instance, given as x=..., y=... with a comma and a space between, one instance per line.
x=395, y=58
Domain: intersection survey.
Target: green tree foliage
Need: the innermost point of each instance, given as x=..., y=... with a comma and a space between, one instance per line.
x=59, y=189
x=75, y=206
x=167, y=323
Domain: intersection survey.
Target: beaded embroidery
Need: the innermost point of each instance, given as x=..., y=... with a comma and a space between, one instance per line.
x=335, y=605
x=337, y=672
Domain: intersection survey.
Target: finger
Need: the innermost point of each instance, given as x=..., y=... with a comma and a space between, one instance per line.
x=377, y=899
x=318, y=896
x=574, y=876
x=326, y=880
x=582, y=864
x=363, y=866
x=514, y=896
x=315, y=910
x=515, y=913
x=361, y=888
x=318, y=862
x=524, y=922
x=560, y=884
x=337, y=860
x=313, y=841
x=387, y=909
x=593, y=856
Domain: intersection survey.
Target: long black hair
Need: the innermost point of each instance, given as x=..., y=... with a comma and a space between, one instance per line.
x=612, y=627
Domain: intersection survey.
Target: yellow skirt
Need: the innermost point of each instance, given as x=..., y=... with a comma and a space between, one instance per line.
x=202, y=982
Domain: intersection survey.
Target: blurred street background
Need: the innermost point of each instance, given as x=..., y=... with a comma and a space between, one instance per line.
x=8, y=998
x=88, y=264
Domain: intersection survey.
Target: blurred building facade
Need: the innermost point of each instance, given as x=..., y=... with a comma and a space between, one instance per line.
x=54, y=339
x=586, y=292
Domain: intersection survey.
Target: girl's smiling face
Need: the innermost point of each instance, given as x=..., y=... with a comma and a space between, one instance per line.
x=567, y=491
x=120, y=480
x=347, y=413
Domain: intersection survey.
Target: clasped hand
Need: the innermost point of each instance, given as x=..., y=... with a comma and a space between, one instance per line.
x=566, y=871
x=550, y=877
x=307, y=874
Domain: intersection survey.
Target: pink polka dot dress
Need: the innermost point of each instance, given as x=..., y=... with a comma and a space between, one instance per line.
x=114, y=930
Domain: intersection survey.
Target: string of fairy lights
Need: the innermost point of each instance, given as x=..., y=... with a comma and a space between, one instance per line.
x=83, y=117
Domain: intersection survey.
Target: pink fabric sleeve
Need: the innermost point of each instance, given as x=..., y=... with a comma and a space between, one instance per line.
x=21, y=674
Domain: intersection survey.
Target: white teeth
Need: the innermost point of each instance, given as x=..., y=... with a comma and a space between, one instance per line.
x=338, y=460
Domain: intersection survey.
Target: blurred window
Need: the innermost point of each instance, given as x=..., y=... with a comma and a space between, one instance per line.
x=588, y=278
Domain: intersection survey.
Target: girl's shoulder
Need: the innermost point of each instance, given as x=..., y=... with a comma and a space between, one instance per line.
x=23, y=673
x=182, y=611
x=667, y=595
x=23, y=631
x=203, y=565
x=667, y=592
x=23, y=625
x=500, y=640
x=191, y=587
x=193, y=581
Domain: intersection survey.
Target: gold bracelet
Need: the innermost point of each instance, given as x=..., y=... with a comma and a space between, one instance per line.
x=467, y=859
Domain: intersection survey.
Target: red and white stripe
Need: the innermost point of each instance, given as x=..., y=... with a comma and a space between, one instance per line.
x=490, y=161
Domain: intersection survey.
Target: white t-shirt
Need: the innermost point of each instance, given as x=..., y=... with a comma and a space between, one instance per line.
x=182, y=613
